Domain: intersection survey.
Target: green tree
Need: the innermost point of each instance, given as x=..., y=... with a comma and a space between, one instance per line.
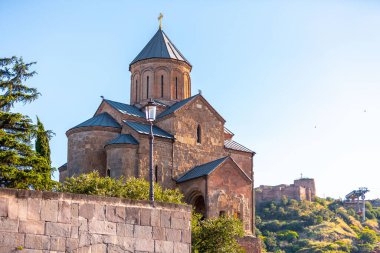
x=216, y=235
x=20, y=165
x=42, y=141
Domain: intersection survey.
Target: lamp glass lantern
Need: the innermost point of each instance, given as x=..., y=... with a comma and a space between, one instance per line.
x=150, y=111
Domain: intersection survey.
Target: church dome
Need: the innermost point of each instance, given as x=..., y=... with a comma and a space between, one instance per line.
x=161, y=47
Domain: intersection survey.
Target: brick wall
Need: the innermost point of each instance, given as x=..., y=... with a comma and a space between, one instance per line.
x=33, y=221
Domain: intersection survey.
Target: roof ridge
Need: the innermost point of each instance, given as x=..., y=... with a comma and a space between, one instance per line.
x=125, y=108
x=101, y=119
x=177, y=106
x=232, y=144
x=222, y=160
x=143, y=128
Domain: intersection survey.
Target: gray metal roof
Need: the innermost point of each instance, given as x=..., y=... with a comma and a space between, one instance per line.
x=227, y=131
x=102, y=119
x=160, y=46
x=63, y=167
x=201, y=170
x=126, y=109
x=145, y=129
x=124, y=139
x=236, y=146
x=175, y=107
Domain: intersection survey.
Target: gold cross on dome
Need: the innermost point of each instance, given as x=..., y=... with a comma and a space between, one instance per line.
x=160, y=19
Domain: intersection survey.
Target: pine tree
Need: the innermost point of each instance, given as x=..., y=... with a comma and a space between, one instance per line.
x=20, y=165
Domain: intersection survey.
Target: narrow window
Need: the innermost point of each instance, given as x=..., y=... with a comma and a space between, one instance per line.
x=162, y=86
x=156, y=174
x=108, y=173
x=176, y=88
x=199, y=133
x=147, y=87
x=136, y=90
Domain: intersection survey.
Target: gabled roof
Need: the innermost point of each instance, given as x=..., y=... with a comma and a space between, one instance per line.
x=160, y=46
x=63, y=167
x=179, y=105
x=201, y=170
x=102, y=119
x=124, y=139
x=145, y=129
x=175, y=107
x=227, y=131
x=236, y=146
x=125, y=108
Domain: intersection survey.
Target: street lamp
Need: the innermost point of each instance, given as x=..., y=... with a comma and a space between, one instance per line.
x=150, y=115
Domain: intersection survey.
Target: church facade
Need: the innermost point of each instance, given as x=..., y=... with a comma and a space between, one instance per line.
x=192, y=148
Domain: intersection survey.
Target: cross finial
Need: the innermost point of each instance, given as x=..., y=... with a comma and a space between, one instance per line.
x=160, y=20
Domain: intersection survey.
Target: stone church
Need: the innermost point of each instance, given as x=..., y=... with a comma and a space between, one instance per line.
x=192, y=148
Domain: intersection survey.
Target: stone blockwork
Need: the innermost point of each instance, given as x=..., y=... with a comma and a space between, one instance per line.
x=86, y=149
x=250, y=244
x=229, y=192
x=302, y=189
x=187, y=151
x=32, y=221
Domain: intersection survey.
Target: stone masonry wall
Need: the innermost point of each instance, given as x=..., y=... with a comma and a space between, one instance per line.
x=187, y=152
x=86, y=151
x=122, y=160
x=275, y=193
x=37, y=222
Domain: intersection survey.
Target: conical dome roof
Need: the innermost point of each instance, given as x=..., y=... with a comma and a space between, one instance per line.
x=160, y=46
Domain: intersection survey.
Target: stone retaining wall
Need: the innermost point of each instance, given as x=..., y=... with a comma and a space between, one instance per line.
x=33, y=221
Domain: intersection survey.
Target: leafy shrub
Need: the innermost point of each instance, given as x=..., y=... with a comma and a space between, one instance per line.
x=369, y=215
x=216, y=235
x=270, y=241
x=344, y=245
x=131, y=188
x=288, y=235
x=295, y=225
x=367, y=235
x=355, y=228
x=364, y=248
x=344, y=215
x=273, y=225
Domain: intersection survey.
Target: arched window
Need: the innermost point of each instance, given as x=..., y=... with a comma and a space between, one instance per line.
x=147, y=87
x=108, y=173
x=156, y=174
x=136, y=90
x=162, y=86
x=199, y=134
x=176, y=88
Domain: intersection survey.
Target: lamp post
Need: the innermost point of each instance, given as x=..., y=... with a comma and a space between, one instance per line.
x=150, y=115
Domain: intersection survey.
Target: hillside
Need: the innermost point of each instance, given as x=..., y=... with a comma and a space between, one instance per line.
x=312, y=227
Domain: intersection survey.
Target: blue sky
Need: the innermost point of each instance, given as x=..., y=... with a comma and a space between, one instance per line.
x=297, y=81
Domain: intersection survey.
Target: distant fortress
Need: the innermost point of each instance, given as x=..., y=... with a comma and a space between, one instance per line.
x=301, y=189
